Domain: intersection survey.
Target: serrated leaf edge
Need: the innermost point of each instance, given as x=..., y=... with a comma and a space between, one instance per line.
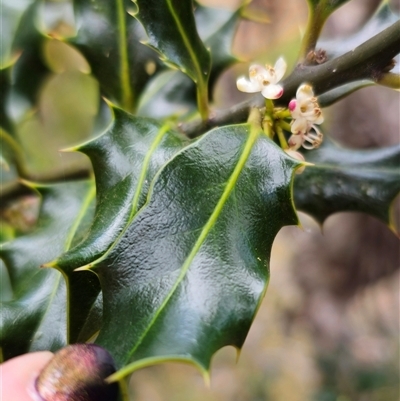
x=150, y=361
x=201, y=79
x=146, y=362
x=142, y=177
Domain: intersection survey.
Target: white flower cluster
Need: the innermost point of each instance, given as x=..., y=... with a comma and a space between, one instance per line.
x=306, y=113
x=304, y=109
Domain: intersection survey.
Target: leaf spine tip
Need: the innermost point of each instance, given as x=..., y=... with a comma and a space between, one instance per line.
x=207, y=379
x=83, y=268
x=49, y=265
x=69, y=150
x=30, y=184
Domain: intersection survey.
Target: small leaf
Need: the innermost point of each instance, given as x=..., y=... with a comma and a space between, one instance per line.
x=29, y=70
x=188, y=275
x=349, y=180
x=169, y=93
x=171, y=28
x=35, y=318
x=173, y=93
x=334, y=95
x=12, y=13
x=110, y=40
x=217, y=28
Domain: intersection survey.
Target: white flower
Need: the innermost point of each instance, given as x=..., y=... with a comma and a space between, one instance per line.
x=305, y=110
x=309, y=140
x=264, y=80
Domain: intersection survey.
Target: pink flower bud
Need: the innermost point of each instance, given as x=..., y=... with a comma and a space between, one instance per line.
x=292, y=104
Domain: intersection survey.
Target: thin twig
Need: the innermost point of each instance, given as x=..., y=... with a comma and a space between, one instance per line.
x=367, y=61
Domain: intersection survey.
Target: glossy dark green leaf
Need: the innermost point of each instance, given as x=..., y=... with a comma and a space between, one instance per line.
x=382, y=19
x=35, y=317
x=217, y=28
x=29, y=71
x=125, y=159
x=26, y=65
x=5, y=84
x=188, y=275
x=21, y=76
x=334, y=95
x=12, y=13
x=171, y=92
x=171, y=30
x=109, y=38
x=349, y=180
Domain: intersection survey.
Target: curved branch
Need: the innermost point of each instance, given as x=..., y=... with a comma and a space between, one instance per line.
x=12, y=190
x=367, y=61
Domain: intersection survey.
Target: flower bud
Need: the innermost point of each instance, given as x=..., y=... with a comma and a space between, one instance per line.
x=77, y=373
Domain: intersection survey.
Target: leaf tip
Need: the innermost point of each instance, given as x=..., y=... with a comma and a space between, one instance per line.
x=48, y=265
x=206, y=378
x=71, y=149
x=30, y=184
x=112, y=378
x=109, y=103
x=133, y=9
x=83, y=268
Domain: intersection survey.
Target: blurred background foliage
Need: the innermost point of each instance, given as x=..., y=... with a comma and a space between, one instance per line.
x=328, y=328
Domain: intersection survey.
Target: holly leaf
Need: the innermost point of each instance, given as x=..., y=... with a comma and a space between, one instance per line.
x=188, y=275
x=110, y=40
x=35, y=317
x=125, y=159
x=171, y=30
x=21, y=57
x=172, y=92
x=12, y=13
x=336, y=94
x=29, y=71
x=217, y=28
x=349, y=180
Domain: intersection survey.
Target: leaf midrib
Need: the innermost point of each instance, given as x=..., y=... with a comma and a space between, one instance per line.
x=254, y=132
x=162, y=131
x=72, y=231
x=187, y=43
